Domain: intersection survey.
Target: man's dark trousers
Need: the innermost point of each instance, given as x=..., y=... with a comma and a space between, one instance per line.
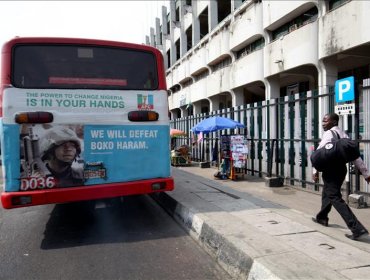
x=333, y=179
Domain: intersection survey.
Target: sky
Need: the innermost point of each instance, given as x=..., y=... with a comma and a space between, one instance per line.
x=112, y=20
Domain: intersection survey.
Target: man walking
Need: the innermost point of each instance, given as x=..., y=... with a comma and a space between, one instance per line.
x=333, y=177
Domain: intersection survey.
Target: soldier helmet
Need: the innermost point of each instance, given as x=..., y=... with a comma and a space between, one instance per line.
x=57, y=136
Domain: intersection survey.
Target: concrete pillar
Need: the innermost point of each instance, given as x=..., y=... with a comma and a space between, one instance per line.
x=328, y=74
x=196, y=24
x=158, y=42
x=173, y=52
x=174, y=115
x=197, y=108
x=164, y=21
x=184, y=112
x=212, y=15
x=237, y=96
x=182, y=9
x=172, y=12
x=322, y=6
x=272, y=88
x=165, y=36
x=152, y=42
x=183, y=39
x=172, y=28
x=214, y=103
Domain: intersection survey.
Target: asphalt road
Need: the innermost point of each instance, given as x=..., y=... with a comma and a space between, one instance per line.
x=132, y=239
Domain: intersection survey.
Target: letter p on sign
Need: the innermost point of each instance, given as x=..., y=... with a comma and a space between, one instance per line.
x=344, y=89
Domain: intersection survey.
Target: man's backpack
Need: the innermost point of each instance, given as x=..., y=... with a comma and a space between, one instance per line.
x=338, y=150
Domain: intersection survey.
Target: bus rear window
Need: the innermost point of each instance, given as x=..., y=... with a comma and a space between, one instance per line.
x=83, y=67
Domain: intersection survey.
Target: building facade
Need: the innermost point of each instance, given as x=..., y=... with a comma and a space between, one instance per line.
x=227, y=55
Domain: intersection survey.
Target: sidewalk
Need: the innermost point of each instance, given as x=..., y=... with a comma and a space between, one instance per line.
x=257, y=232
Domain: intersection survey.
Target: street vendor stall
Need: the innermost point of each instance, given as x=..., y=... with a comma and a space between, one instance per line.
x=234, y=152
x=181, y=156
x=233, y=148
x=239, y=153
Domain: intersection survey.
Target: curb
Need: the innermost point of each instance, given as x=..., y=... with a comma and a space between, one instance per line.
x=228, y=256
x=241, y=250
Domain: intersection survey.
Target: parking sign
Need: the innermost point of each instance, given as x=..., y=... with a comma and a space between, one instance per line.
x=344, y=89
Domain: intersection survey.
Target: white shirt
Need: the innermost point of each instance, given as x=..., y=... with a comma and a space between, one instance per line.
x=326, y=138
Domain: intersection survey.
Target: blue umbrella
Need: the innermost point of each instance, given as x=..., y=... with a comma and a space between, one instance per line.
x=215, y=123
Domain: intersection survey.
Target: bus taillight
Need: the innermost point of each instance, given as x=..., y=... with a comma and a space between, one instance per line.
x=143, y=116
x=34, y=117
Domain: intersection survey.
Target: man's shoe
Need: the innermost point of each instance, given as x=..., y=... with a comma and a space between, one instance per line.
x=357, y=235
x=323, y=222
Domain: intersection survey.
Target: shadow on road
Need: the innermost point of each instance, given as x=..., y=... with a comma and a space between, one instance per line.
x=132, y=219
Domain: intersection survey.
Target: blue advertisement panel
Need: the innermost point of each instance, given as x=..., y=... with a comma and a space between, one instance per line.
x=10, y=157
x=53, y=156
x=126, y=152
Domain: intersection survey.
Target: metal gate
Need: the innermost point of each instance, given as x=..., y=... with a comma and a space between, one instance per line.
x=282, y=133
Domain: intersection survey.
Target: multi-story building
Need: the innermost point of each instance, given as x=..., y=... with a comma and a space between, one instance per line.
x=223, y=54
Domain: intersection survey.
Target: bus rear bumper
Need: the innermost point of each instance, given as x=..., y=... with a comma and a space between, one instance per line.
x=11, y=200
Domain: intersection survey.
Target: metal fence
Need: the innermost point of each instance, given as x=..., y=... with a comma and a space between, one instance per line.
x=281, y=135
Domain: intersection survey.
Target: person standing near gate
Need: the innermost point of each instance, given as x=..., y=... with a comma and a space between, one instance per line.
x=333, y=177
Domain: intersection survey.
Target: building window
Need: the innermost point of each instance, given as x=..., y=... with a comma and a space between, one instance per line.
x=222, y=64
x=305, y=18
x=168, y=24
x=187, y=83
x=280, y=32
x=169, y=58
x=203, y=23
x=177, y=14
x=333, y=4
x=177, y=45
x=223, y=9
x=175, y=88
x=254, y=46
x=189, y=38
x=201, y=75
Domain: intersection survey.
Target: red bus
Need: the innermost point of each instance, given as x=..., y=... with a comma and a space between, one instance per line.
x=82, y=119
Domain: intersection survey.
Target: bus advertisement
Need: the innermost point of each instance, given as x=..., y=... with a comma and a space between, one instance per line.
x=82, y=120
